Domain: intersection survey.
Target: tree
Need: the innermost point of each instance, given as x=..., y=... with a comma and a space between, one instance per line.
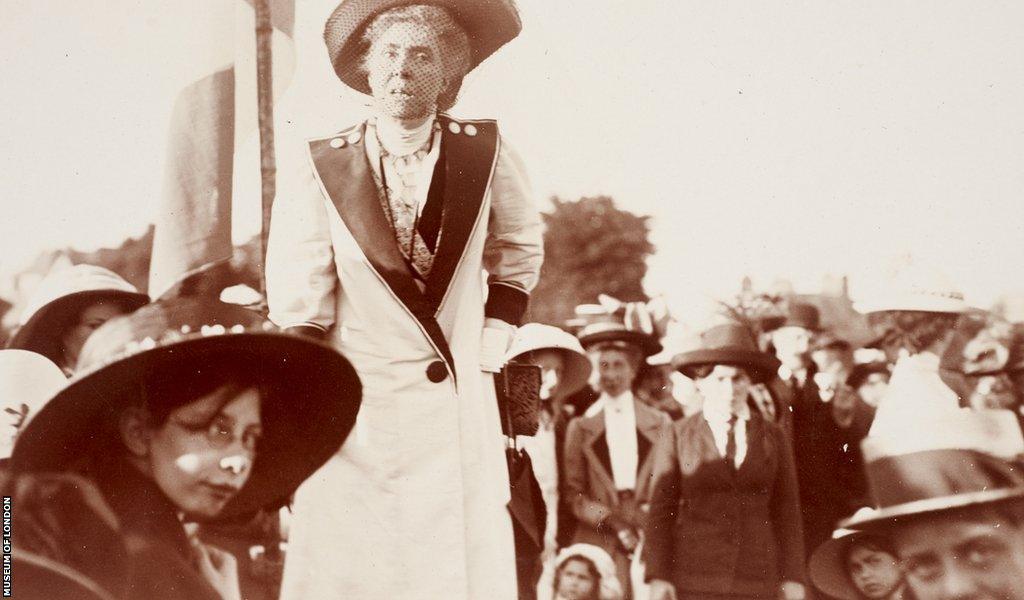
x=591, y=247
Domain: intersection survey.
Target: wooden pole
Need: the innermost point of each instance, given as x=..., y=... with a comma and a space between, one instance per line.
x=265, y=101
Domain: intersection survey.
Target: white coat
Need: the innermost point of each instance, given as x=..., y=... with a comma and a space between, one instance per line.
x=414, y=503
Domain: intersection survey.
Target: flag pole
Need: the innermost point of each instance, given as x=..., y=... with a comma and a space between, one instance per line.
x=265, y=102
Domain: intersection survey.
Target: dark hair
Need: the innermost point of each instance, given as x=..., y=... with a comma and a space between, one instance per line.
x=165, y=389
x=702, y=371
x=633, y=352
x=595, y=593
x=915, y=330
x=870, y=541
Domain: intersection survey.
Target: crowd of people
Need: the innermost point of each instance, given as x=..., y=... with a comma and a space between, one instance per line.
x=354, y=439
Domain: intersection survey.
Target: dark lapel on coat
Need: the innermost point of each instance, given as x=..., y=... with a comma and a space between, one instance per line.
x=347, y=179
x=596, y=448
x=469, y=164
x=757, y=451
x=698, y=450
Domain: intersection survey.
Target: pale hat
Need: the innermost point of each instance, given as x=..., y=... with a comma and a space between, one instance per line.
x=611, y=589
x=955, y=459
x=63, y=293
x=536, y=336
x=27, y=381
x=917, y=288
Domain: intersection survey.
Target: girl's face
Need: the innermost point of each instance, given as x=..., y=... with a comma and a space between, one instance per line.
x=551, y=366
x=203, y=454
x=874, y=573
x=88, y=321
x=575, y=581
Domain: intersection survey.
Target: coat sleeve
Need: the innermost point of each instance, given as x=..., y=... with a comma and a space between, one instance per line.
x=514, y=249
x=302, y=280
x=659, y=544
x=585, y=508
x=785, y=511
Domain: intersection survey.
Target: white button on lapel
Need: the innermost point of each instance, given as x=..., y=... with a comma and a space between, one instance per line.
x=454, y=127
x=470, y=130
x=337, y=143
x=354, y=137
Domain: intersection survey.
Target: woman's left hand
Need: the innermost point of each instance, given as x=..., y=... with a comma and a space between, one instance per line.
x=220, y=569
x=791, y=590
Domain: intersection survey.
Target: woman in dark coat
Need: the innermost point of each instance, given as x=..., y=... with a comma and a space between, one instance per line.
x=186, y=411
x=725, y=515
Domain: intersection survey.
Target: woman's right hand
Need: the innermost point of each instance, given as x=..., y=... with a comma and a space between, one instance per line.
x=661, y=590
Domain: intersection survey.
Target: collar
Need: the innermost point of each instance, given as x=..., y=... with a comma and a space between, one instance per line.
x=397, y=140
x=617, y=402
x=724, y=417
x=924, y=361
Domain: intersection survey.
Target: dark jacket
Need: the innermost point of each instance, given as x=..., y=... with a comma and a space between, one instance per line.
x=117, y=530
x=161, y=560
x=715, y=530
x=824, y=466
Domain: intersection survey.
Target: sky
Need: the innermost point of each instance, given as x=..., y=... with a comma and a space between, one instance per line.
x=776, y=139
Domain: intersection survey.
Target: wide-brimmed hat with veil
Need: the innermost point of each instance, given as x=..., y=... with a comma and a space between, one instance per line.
x=489, y=25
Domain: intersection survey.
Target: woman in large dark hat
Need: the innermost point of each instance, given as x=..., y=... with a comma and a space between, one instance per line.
x=67, y=306
x=187, y=410
x=379, y=243
x=725, y=514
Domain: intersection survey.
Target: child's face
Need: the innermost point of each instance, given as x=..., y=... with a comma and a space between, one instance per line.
x=575, y=581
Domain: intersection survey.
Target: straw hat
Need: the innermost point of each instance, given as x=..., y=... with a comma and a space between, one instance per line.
x=957, y=458
x=63, y=294
x=729, y=344
x=535, y=336
x=27, y=381
x=311, y=398
x=917, y=288
x=489, y=24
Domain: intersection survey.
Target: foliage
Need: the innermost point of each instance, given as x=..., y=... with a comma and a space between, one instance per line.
x=591, y=247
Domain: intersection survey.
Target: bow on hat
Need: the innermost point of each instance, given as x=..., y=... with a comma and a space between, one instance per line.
x=651, y=318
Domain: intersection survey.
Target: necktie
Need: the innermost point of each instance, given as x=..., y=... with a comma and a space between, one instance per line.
x=730, y=444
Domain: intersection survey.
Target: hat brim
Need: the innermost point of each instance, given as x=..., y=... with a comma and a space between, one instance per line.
x=759, y=365
x=312, y=398
x=489, y=25
x=645, y=342
x=37, y=335
x=913, y=303
x=901, y=512
x=575, y=374
x=826, y=567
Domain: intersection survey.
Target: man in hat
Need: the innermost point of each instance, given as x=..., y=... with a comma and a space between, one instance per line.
x=952, y=500
x=817, y=440
x=378, y=244
x=608, y=452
